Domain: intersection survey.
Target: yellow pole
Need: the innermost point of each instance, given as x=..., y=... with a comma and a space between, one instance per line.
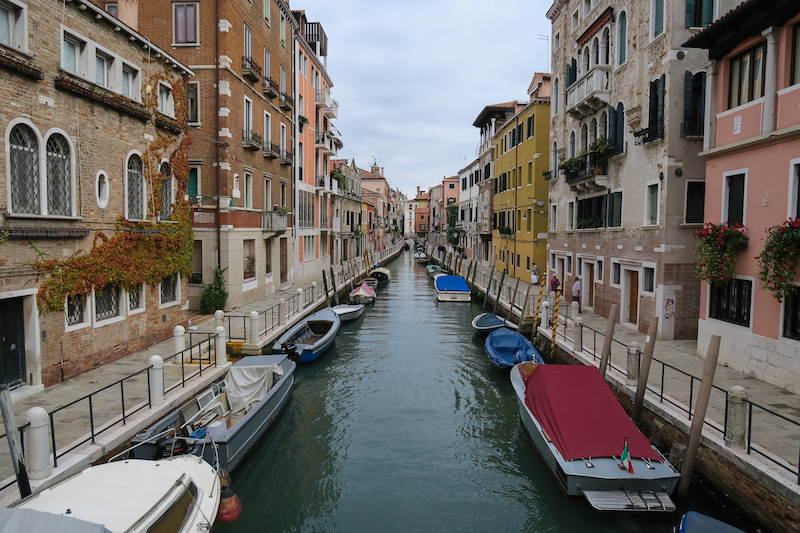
x=555, y=323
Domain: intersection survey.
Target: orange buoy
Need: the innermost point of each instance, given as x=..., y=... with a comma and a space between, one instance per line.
x=230, y=507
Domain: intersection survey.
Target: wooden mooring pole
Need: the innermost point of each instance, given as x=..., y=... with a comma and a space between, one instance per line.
x=644, y=369
x=14, y=446
x=606, y=353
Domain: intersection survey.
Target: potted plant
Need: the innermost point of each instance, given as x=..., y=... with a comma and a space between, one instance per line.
x=249, y=267
x=777, y=262
x=301, y=122
x=716, y=251
x=269, y=269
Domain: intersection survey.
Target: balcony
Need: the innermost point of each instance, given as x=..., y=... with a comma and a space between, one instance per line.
x=324, y=143
x=333, y=110
x=324, y=222
x=692, y=130
x=587, y=172
x=316, y=35
x=323, y=98
x=287, y=103
x=270, y=87
x=271, y=150
x=273, y=220
x=250, y=69
x=646, y=135
x=286, y=157
x=590, y=93
x=251, y=140
x=322, y=183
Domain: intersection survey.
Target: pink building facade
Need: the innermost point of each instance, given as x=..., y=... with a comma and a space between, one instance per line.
x=752, y=150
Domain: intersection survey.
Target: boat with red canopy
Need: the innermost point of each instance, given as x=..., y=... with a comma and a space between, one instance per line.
x=588, y=441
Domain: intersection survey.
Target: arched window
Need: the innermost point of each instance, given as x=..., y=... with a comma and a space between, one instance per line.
x=554, y=158
x=166, y=191
x=603, y=125
x=24, y=170
x=135, y=188
x=605, y=47
x=555, y=97
x=585, y=64
x=595, y=52
x=59, y=176
x=584, y=138
x=572, y=144
x=622, y=42
x=592, y=131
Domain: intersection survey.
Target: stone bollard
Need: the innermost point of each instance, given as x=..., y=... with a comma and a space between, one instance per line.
x=544, y=319
x=253, y=327
x=219, y=318
x=551, y=298
x=178, y=333
x=300, y=305
x=282, y=310
x=572, y=311
x=221, y=347
x=37, y=444
x=578, y=344
x=314, y=291
x=736, y=426
x=156, y=372
x=633, y=364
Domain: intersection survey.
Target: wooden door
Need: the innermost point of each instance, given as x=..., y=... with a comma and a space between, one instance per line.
x=589, y=279
x=12, y=342
x=284, y=262
x=633, y=297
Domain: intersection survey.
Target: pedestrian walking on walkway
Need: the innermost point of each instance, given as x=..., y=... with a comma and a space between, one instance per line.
x=576, y=292
x=554, y=283
x=534, y=274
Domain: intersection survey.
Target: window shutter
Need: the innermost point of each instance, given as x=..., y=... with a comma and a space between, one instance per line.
x=687, y=97
x=661, y=84
x=612, y=128
x=620, y=128
x=652, y=107
x=690, y=12
x=708, y=12
x=701, y=101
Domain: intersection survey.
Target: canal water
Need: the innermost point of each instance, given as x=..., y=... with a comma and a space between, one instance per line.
x=404, y=425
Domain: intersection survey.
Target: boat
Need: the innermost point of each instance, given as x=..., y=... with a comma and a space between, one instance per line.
x=694, y=522
x=348, y=312
x=371, y=282
x=231, y=415
x=488, y=322
x=405, y=246
x=363, y=294
x=507, y=348
x=420, y=258
x=309, y=338
x=180, y=494
x=452, y=289
x=380, y=273
x=433, y=269
x=583, y=435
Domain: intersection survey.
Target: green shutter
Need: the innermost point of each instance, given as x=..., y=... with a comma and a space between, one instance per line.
x=708, y=12
x=690, y=13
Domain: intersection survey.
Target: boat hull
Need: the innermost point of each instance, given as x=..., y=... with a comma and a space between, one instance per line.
x=577, y=478
x=506, y=348
x=309, y=345
x=453, y=296
x=348, y=312
x=478, y=323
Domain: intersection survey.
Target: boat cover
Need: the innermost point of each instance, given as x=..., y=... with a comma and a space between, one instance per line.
x=451, y=283
x=580, y=414
x=489, y=320
x=246, y=385
x=507, y=348
x=694, y=522
x=363, y=290
x=16, y=520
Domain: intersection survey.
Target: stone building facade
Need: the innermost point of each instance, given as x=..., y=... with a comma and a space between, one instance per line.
x=94, y=231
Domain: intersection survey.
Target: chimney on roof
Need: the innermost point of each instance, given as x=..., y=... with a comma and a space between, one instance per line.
x=128, y=12
x=375, y=169
x=418, y=193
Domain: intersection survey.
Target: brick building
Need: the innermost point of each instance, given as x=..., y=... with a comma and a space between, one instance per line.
x=241, y=117
x=95, y=230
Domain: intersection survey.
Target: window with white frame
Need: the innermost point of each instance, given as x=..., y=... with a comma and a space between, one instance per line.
x=649, y=279
x=552, y=261
x=267, y=193
x=103, y=64
x=580, y=266
x=622, y=38
x=166, y=103
x=169, y=290
x=554, y=99
x=130, y=83
x=136, y=298
x=248, y=190
x=731, y=302
x=569, y=263
x=193, y=102
x=615, y=210
x=197, y=263
x=651, y=205
x=575, y=20
x=101, y=189
x=185, y=19
x=598, y=272
x=249, y=259
x=553, y=213
x=106, y=302
x=695, y=201
x=571, y=216
x=112, y=8
x=75, y=311
x=59, y=176
x=135, y=187
x=616, y=273
x=283, y=28
x=794, y=189
x=14, y=25
x=734, y=206
x=267, y=129
x=656, y=17
x=24, y=170
x=556, y=41
x=267, y=63
x=167, y=200
x=193, y=188
x=72, y=55
x=267, y=4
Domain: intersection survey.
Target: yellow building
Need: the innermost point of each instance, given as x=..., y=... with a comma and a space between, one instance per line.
x=520, y=188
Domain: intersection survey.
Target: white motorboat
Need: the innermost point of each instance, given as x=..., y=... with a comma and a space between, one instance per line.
x=348, y=312
x=179, y=494
x=452, y=289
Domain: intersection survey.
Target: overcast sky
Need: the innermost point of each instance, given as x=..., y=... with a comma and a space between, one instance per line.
x=411, y=76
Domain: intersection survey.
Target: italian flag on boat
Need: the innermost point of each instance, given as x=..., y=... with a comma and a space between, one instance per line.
x=626, y=456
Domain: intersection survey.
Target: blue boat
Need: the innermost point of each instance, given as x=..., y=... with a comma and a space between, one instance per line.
x=507, y=348
x=309, y=338
x=452, y=289
x=488, y=322
x=694, y=522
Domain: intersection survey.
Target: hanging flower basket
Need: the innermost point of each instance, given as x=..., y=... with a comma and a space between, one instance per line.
x=777, y=262
x=716, y=251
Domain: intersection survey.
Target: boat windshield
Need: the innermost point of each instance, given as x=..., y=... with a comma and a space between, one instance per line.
x=178, y=513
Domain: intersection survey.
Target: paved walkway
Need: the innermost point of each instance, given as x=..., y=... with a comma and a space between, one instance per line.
x=674, y=363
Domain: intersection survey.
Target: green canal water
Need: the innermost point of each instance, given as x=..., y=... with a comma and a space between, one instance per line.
x=404, y=425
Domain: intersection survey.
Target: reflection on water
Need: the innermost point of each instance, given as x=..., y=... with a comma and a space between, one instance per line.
x=405, y=426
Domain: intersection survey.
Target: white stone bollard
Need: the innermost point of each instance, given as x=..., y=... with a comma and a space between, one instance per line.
x=178, y=335
x=300, y=299
x=219, y=318
x=544, y=320
x=37, y=444
x=632, y=377
x=314, y=292
x=282, y=310
x=577, y=346
x=736, y=426
x=253, y=327
x=156, y=372
x=221, y=347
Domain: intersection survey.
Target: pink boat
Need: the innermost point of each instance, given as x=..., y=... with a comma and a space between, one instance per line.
x=363, y=294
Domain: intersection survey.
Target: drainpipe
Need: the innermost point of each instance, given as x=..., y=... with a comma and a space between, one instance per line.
x=216, y=132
